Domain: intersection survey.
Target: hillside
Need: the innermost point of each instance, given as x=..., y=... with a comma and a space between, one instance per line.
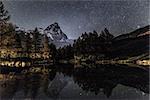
x=136, y=44
x=136, y=33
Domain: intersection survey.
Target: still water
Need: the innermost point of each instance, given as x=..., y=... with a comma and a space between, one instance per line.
x=95, y=82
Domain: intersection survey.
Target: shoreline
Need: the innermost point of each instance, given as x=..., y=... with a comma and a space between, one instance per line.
x=145, y=63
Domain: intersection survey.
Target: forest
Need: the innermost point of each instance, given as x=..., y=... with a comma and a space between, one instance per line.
x=16, y=43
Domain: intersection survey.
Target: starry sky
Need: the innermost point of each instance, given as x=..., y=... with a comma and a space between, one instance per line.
x=76, y=17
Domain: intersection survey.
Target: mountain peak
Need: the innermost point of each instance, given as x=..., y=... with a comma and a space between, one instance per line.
x=55, y=33
x=56, y=24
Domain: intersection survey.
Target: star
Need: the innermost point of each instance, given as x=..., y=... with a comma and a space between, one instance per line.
x=138, y=26
x=77, y=17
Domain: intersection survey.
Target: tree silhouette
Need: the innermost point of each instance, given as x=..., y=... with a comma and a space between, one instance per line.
x=3, y=13
x=53, y=50
x=48, y=49
x=93, y=44
x=28, y=43
x=36, y=41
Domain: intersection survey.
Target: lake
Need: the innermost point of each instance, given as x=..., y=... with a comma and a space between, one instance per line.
x=76, y=82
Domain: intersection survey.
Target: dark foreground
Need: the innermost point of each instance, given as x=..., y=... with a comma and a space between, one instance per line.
x=76, y=82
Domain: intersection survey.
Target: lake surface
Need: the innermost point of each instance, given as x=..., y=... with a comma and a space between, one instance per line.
x=74, y=82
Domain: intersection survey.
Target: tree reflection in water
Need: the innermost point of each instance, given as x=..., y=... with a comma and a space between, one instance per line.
x=103, y=78
x=29, y=83
x=99, y=78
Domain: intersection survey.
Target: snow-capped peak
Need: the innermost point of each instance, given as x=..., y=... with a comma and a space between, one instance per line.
x=55, y=33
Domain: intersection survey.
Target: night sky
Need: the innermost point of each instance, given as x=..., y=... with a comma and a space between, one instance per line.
x=76, y=17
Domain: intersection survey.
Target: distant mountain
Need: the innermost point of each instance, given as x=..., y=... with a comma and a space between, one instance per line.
x=57, y=36
x=55, y=33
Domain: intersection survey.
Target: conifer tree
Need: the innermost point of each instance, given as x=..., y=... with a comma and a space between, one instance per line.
x=52, y=50
x=46, y=44
x=46, y=48
x=4, y=16
x=36, y=40
x=28, y=44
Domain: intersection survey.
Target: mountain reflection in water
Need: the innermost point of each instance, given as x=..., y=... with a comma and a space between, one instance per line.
x=68, y=82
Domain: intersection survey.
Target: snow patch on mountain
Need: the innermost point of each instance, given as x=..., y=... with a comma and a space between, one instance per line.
x=55, y=33
x=57, y=36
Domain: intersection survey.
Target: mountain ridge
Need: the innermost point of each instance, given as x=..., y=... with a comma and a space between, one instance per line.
x=136, y=33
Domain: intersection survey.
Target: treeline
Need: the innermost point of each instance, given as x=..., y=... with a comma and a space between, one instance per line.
x=34, y=42
x=31, y=44
x=16, y=43
x=93, y=43
x=88, y=44
x=98, y=46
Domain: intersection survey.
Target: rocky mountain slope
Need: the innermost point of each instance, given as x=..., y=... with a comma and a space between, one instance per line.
x=54, y=32
x=57, y=36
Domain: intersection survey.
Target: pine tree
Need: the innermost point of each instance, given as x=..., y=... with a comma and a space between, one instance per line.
x=4, y=18
x=36, y=40
x=3, y=13
x=46, y=48
x=28, y=44
x=108, y=36
x=53, y=50
x=46, y=44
